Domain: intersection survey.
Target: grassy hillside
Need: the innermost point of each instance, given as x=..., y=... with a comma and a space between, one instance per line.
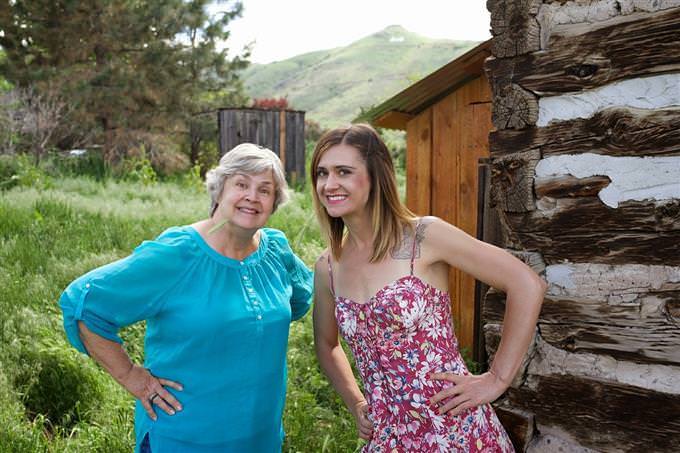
x=333, y=85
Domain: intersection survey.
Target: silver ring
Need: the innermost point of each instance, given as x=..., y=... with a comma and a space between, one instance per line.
x=151, y=398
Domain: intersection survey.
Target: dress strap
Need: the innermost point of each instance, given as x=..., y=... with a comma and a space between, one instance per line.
x=415, y=241
x=330, y=274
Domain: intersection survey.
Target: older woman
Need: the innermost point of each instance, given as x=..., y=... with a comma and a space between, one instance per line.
x=218, y=297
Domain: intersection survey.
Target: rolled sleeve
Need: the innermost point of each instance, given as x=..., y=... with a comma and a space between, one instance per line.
x=121, y=293
x=302, y=280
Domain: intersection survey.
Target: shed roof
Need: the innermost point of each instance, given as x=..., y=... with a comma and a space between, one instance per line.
x=395, y=112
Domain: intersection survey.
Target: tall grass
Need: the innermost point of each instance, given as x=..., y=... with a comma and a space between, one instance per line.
x=53, y=399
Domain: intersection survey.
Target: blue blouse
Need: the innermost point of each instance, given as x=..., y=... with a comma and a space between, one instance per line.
x=216, y=325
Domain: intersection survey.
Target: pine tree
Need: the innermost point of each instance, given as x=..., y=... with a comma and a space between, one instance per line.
x=127, y=67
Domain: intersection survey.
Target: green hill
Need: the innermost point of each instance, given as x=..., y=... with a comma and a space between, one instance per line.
x=333, y=85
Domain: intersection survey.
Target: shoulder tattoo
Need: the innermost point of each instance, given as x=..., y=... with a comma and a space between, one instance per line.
x=405, y=248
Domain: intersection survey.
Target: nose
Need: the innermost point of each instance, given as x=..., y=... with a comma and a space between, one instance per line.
x=331, y=181
x=253, y=194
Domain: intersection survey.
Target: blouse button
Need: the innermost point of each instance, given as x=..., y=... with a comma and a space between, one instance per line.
x=242, y=263
x=256, y=302
x=245, y=277
x=259, y=317
x=87, y=285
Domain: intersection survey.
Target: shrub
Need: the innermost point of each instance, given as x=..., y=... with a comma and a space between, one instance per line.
x=19, y=170
x=271, y=103
x=139, y=169
x=54, y=384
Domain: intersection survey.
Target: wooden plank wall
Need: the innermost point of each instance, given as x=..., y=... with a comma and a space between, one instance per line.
x=444, y=145
x=283, y=132
x=585, y=170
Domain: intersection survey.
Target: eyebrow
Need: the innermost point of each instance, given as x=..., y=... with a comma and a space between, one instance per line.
x=245, y=175
x=337, y=166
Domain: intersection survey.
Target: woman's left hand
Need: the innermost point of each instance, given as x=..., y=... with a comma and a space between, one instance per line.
x=466, y=392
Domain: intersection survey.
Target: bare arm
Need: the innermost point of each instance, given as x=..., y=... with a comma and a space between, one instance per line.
x=330, y=354
x=136, y=380
x=523, y=287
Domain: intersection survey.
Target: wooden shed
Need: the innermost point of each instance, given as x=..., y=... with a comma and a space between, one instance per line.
x=282, y=131
x=447, y=119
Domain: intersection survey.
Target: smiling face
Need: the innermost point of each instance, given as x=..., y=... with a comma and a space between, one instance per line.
x=343, y=184
x=247, y=201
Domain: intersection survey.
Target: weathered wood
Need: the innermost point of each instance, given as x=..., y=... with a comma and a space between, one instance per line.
x=295, y=146
x=419, y=163
x=618, y=285
x=514, y=27
x=654, y=92
x=282, y=137
x=554, y=13
x=512, y=179
x=568, y=186
x=633, y=178
x=547, y=360
x=635, y=48
x=605, y=416
x=613, y=131
x=533, y=260
x=519, y=425
x=623, y=332
x=514, y=108
x=280, y=131
x=586, y=230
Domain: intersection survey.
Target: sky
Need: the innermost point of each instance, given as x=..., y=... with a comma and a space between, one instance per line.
x=282, y=29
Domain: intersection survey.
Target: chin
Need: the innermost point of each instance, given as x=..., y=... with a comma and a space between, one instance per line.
x=338, y=212
x=251, y=224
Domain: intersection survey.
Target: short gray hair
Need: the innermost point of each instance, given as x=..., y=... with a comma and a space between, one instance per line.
x=248, y=159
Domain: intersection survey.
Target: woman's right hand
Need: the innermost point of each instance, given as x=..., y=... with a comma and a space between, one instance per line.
x=364, y=424
x=150, y=390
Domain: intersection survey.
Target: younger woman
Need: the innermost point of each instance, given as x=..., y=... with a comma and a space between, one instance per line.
x=382, y=284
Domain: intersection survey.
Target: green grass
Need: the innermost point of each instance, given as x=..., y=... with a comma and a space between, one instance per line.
x=53, y=399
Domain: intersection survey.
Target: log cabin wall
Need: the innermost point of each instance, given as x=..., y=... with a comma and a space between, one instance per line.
x=586, y=181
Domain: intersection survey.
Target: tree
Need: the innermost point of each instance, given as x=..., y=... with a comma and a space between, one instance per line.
x=125, y=66
x=210, y=80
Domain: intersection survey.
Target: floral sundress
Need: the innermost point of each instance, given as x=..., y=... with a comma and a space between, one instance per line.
x=398, y=338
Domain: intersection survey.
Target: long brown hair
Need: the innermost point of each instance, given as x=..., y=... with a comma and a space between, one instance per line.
x=389, y=216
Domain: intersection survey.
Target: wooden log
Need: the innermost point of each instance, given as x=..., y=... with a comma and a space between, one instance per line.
x=604, y=416
x=617, y=285
x=514, y=27
x=533, y=260
x=624, y=332
x=554, y=13
x=576, y=61
x=651, y=93
x=512, y=180
x=519, y=425
x=613, y=131
x=548, y=360
x=514, y=108
x=586, y=230
x=569, y=187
